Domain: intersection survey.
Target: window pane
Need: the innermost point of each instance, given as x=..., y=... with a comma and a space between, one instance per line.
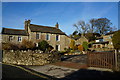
x=19, y=38
x=37, y=36
x=47, y=37
x=57, y=37
x=56, y=47
x=10, y=38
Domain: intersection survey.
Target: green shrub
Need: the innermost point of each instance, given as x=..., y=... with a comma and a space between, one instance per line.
x=85, y=46
x=44, y=46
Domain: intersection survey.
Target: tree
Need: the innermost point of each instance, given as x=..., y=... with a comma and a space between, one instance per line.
x=103, y=25
x=81, y=26
x=72, y=44
x=92, y=27
x=116, y=40
x=85, y=46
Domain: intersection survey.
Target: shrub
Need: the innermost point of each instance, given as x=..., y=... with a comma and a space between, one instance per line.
x=80, y=47
x=116, y=40
x=44, y=46
x=72, y=44
x=85, y=46
x=27, y=44
x=9, y=46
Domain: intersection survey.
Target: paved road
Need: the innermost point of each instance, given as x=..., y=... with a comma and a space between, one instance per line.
x=81, y=59
x=13, y=72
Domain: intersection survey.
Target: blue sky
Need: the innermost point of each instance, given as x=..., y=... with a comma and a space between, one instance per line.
x=65, y=13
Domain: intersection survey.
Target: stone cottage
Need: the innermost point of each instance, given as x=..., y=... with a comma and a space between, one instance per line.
x=53, y=35
x=105, y=41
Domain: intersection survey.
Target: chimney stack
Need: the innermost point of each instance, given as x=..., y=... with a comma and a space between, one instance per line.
x=57, y=25
x=27, y=23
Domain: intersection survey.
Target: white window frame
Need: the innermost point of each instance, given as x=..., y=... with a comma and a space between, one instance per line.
x=37, y=36
x=10, y=39
x=58, y=47
x=58, y=37
x=19, y=40
x=48, y=36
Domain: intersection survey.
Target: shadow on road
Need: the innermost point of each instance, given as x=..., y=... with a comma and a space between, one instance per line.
x=91, y=74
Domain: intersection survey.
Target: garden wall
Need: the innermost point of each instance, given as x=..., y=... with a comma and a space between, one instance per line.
x=29, y=57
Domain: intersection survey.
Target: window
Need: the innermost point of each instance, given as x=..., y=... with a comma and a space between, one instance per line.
x=37, y=36
x=110, y=37
x=57, y=37
x=94, y=46
x=10, y=38
x=47, y=37
x=58, y=47
x=111, y=43
x=98, y=46
x=19, y=38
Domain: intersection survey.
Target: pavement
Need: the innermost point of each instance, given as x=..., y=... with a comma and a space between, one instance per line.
x=63, y=68
x=53, y=70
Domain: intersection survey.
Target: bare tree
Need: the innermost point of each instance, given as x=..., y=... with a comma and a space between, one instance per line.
x=81, y=27
x=92, y=28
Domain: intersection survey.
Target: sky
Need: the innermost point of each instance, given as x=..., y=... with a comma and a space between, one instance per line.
x=65, y=13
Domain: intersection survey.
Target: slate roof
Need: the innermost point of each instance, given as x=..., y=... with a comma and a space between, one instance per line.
x=10, y=31
x=45, y=29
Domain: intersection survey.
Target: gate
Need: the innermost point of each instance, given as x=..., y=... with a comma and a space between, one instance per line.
x=102, y=59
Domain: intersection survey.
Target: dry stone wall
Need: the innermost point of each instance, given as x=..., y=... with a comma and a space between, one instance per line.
x=29, y=58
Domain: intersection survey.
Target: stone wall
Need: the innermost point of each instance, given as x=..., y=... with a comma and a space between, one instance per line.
x=29, y=58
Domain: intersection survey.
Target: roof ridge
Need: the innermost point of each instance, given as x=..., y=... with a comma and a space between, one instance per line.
x=14, y=29
x=44, y=26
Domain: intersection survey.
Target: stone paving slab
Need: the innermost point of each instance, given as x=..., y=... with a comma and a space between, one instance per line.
x=53, y=70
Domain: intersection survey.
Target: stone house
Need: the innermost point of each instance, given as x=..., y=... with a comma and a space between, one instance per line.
x=105, y=41
x=80, y=40
x=53, y=35
x=13, y=35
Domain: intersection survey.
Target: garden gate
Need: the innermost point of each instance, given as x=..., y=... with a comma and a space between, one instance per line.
x=102, y=59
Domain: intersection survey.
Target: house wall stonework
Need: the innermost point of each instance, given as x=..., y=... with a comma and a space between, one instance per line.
x=5, y=38
x=109, y=38
x=81, y=40
x=63, y=41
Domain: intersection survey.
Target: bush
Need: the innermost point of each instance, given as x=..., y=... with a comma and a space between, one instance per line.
x=116, y=40
x=85, y=46
x=9, y=46
x=80, y=47
x=44, y=46
x=27, y=44
x=72, y=44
